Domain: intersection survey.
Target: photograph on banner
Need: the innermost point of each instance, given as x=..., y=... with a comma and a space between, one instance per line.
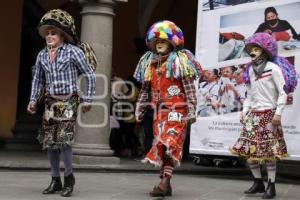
x=217, y=4
x=282, y=22
x=221, y=33
x=220, y=91
x=220, y=41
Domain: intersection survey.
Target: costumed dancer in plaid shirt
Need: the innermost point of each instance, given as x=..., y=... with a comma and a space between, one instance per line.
x=167, y=73
x=262, y=140
x=57, y=68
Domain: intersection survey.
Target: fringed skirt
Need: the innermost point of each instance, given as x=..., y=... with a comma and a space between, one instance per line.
x=58, y=122
x=169, y=135
x=259, y=139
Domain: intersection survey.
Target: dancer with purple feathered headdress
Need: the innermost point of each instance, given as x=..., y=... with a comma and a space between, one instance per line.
x=269, y=78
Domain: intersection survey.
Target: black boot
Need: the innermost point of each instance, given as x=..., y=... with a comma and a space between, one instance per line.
x=270, y=192
x=69, y=182
x=54, y=186
x=258, y=186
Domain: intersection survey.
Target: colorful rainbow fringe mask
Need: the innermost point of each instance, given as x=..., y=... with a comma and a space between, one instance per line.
x=165, y=30
x=181, y=63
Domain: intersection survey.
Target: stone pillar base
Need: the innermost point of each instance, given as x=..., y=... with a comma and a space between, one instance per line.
x=93, y=154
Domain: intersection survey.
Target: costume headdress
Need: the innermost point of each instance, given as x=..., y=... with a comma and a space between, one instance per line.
x=165, y=30
x=59, y=19
x=269, y=45
x=65, y=22
x=181, y=63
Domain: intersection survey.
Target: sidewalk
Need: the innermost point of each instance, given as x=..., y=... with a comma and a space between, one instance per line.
x=28, y=185
x=17, y=160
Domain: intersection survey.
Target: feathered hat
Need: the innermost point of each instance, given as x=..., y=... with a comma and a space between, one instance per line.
x=59, y=19
x=165, y=30
x=65, y=23
x=264, y=41
x=269, y=45
x=181, y=63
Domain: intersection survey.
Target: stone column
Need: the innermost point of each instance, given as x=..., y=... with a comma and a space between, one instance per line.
x=92, y=131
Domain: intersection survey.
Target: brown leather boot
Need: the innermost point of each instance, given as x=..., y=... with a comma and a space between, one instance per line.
x=163, y=189
x=169, y=190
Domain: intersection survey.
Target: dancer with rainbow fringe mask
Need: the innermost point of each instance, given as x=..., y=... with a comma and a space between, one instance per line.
x=167, y=73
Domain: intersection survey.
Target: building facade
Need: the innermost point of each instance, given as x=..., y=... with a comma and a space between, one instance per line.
x=116, y=30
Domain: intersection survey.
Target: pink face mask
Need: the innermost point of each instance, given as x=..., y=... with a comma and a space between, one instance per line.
x=53, y=38
x=162, y=47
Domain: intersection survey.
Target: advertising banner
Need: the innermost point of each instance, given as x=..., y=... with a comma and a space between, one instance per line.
x=220, y=44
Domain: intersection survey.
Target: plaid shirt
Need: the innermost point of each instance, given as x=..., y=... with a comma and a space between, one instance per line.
x=61, y=76
x=141, y=104
x=191, y=99
x=190, y=94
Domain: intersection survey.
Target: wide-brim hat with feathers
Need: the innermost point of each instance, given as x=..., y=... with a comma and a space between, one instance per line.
x=264, y=41
x=58, y=19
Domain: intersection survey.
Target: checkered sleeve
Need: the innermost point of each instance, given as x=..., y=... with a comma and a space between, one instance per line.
x=87, y=72
x=190, y=93
x=141, y=104
x=37, y=80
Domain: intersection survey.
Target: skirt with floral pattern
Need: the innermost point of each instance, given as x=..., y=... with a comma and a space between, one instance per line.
x=58, y=122
x=259, y=139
